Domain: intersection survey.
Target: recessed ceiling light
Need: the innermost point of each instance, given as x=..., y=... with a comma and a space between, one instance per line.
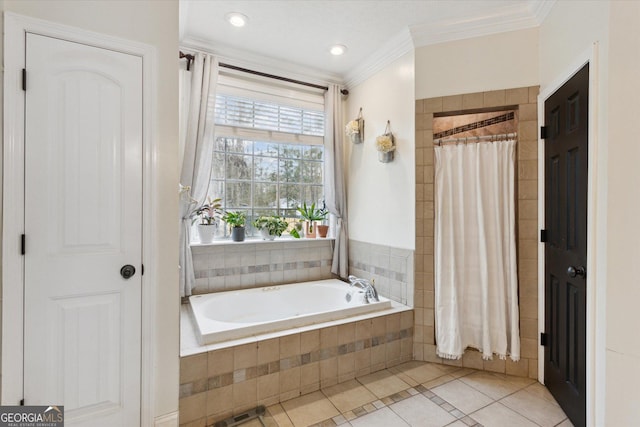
x=338, y=49
x=237, y=19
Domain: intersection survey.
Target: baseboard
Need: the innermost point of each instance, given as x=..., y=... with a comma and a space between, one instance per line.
x=167, y=420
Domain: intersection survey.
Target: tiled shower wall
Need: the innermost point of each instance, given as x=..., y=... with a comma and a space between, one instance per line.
x=527, y=207
x=390, y=269
x=256, y=264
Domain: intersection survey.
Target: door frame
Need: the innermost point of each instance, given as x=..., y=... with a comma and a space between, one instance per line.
x=596, y=304
x=12, y=362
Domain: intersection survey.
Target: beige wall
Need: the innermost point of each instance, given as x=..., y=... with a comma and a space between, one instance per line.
x=561, y=51
x=380, y=195
x=623, y=229
x=154, y=23
x=481, y=64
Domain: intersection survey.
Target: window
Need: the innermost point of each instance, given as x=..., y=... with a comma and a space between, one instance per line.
x=247, y=113
x=268, y=152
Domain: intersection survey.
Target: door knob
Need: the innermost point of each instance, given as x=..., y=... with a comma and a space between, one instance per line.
x=576, y=271
x=127, y=271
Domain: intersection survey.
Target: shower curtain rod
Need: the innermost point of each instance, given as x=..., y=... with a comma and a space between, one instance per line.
x=190, y=58
x=488, y=138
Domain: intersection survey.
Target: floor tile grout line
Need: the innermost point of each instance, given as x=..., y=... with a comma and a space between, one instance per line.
x=382, y=399
x=401, y=395
x=508, y=395
x=517, y=412
x=285, y=412
x=510, y=409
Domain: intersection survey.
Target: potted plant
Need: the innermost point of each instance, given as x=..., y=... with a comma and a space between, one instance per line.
x=322, y=229
x=236, y=221
x=207, y=215
x=270, y=226
x=311, y=215
x=296, y=229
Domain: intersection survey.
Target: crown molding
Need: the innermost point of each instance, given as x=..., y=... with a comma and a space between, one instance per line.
x=183, y=16
x=253, y=61
x=509, y=18
x=512, y=17
x=391, y=50
x=541, y=9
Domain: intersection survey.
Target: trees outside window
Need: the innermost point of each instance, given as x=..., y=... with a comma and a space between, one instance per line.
x=268, y=157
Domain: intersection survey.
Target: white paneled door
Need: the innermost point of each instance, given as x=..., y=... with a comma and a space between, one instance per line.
x=83, y=224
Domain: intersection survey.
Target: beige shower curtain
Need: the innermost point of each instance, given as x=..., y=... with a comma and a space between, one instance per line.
x=476, y=284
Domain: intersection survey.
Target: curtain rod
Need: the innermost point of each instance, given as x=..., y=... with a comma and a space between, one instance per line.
x=190, y=58
x=489, y=138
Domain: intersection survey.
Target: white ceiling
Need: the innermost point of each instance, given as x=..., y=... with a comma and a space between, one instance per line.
x=295, y=35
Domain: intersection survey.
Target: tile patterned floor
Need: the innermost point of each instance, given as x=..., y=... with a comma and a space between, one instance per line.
x=422, y=395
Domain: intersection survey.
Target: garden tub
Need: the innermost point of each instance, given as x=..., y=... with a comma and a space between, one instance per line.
x=224, y=316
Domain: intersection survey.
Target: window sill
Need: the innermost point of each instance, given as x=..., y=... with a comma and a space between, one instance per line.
x=258, y=240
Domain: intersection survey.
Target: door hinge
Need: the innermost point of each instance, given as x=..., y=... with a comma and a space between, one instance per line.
x=22, y=402
x=23, y=244
x=544, y=236
x=544, y=339
x=142, y=270
x=24, y=79
x=543, y=132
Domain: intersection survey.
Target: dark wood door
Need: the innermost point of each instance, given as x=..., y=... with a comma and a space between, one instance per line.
x=566, y=154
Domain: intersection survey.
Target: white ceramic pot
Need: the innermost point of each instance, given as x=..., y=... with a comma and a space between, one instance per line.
x=206, y=232
x=265, y=234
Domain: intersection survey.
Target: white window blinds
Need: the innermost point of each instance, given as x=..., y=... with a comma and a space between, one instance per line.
x=252, y=108
x=248, y=113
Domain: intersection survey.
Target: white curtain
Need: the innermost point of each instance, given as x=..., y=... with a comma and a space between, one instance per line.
x=197, y=157
x=334, y=182
x=476, y=283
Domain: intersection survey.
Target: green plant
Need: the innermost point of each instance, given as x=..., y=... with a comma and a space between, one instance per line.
x=208, y=212
x=296, y=229
x=234, y=218
x=311, y=213
x=275, y=225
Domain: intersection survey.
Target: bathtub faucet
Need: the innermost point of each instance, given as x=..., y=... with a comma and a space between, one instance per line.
x=370, y=292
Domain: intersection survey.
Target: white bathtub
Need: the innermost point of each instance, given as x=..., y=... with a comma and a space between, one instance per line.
x=223, y=316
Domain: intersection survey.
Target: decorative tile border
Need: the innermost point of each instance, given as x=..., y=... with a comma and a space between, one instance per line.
x=241, y=375
x=263, y=268
x=394, y=275
x=390, y=268
x=395, y=398
x=253, y=265
x=475, y=125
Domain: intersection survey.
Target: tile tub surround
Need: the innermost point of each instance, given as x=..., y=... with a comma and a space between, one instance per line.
x=218, y=383
x=254, y=264
x=391, y=269
x=527, y=210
